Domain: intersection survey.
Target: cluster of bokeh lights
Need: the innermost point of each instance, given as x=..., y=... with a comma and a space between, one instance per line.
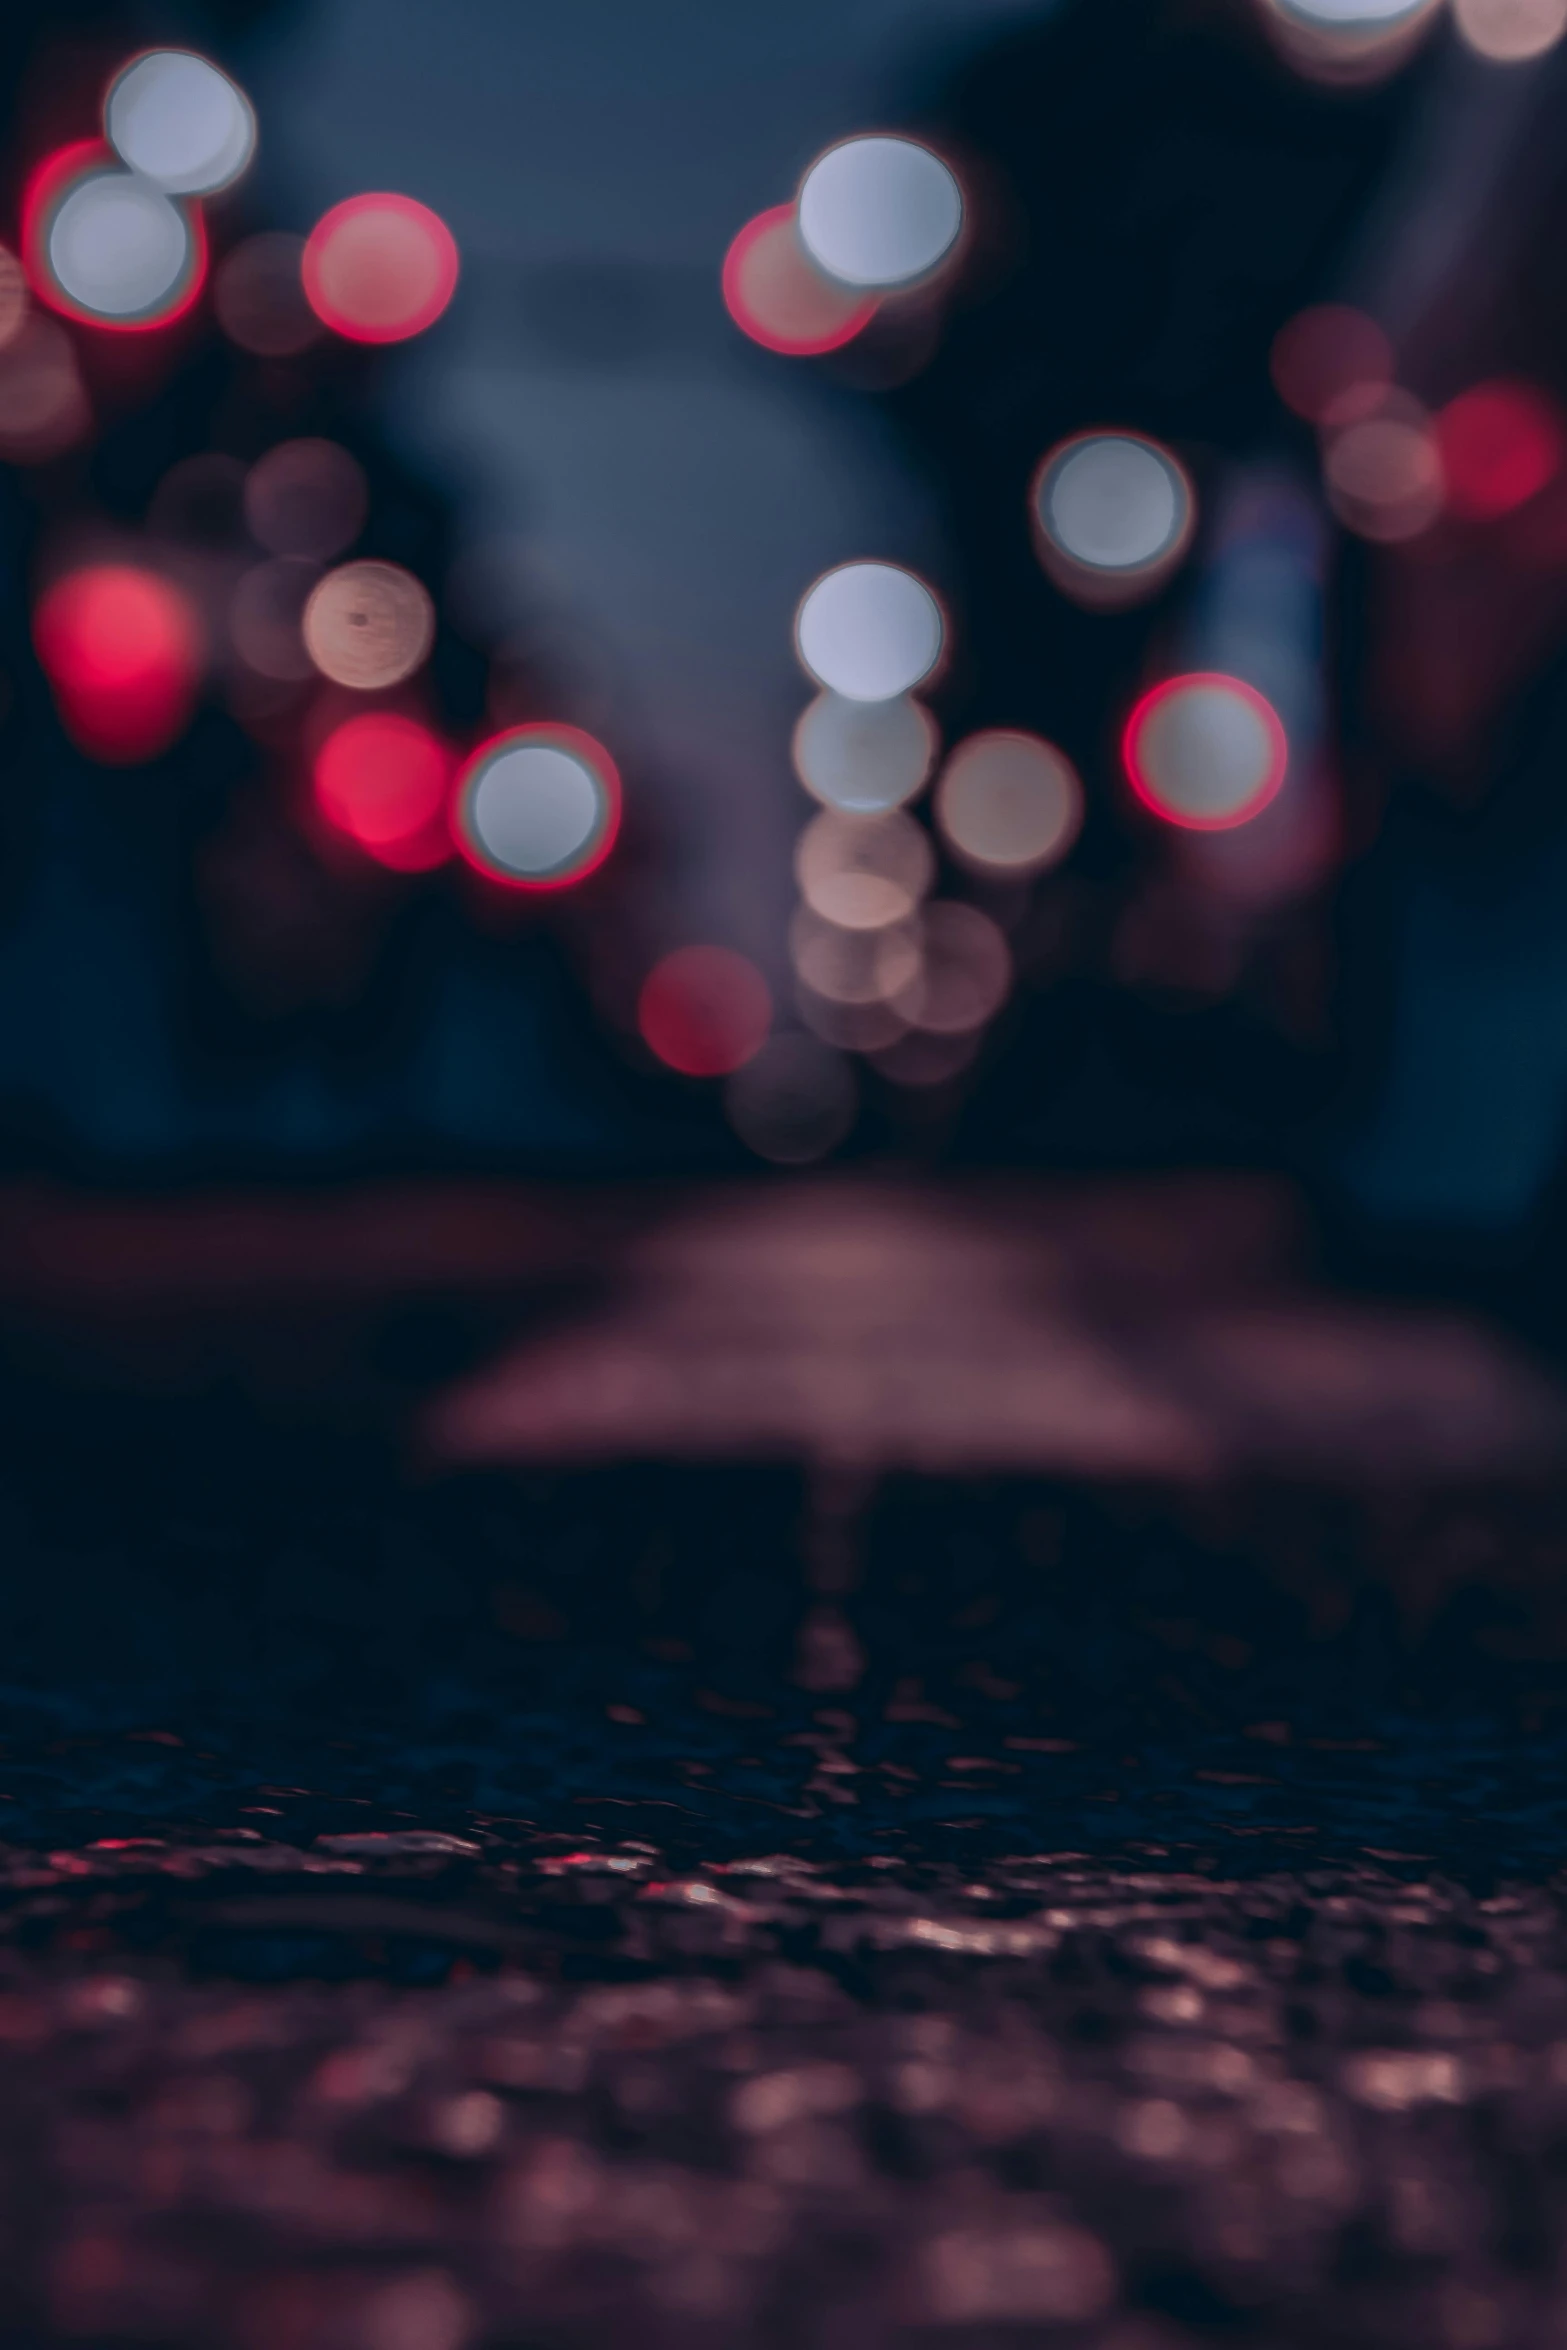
x=868, y=634
x=251, y=574
x=887, y=970
x=173, y=118
x=1364, y=40
x=775, y=293
x=113, y=232
x=1392, y=470
x=906, y=981
x=874, y=217
x=536, y=808
x=107, y=247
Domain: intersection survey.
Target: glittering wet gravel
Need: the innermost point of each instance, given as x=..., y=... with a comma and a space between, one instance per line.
x=487, y=1917
x=767, y=2100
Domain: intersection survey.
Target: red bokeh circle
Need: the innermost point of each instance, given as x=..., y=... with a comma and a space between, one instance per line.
x=1331, y=364
x=1501, y=444
x=122, y=649
x=382, y=779
x=1145, y=787
x=379, y=268
x=705, y=1011
x=775, y=293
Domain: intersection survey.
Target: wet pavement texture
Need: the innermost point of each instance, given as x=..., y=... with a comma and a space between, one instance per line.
x=496, y=1912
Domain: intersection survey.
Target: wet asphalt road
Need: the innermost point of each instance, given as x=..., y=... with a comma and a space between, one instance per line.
x=518, y=1912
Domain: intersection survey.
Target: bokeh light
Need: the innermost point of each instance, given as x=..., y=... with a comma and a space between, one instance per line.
x=794, y=1101
x=1113, y=515
x=107, y=247
x=1373, y=16
x=849, y=1028
x=853, y=966
x=13, y=298
x=44, y=408
x=122, y=650
x=306, y=497
x=1500, y=445
x=267, y=616
x=864, y=872
x=179, y=122
x=1205, y=752
x=1384, y=476
x=198, y=505
x=705, y=1011
x=538, y=807
x=963, y=975
x=379, y=268
x=382, y=779
x=878, y=212
x=864, y=757
x=369, y=625
x=869, y=631
x=1510, y=32
x=1332, y=364
x=1008, y=803
x=921, y=1061
x=258, y=293
x=775, y=293
x=1348, y=40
